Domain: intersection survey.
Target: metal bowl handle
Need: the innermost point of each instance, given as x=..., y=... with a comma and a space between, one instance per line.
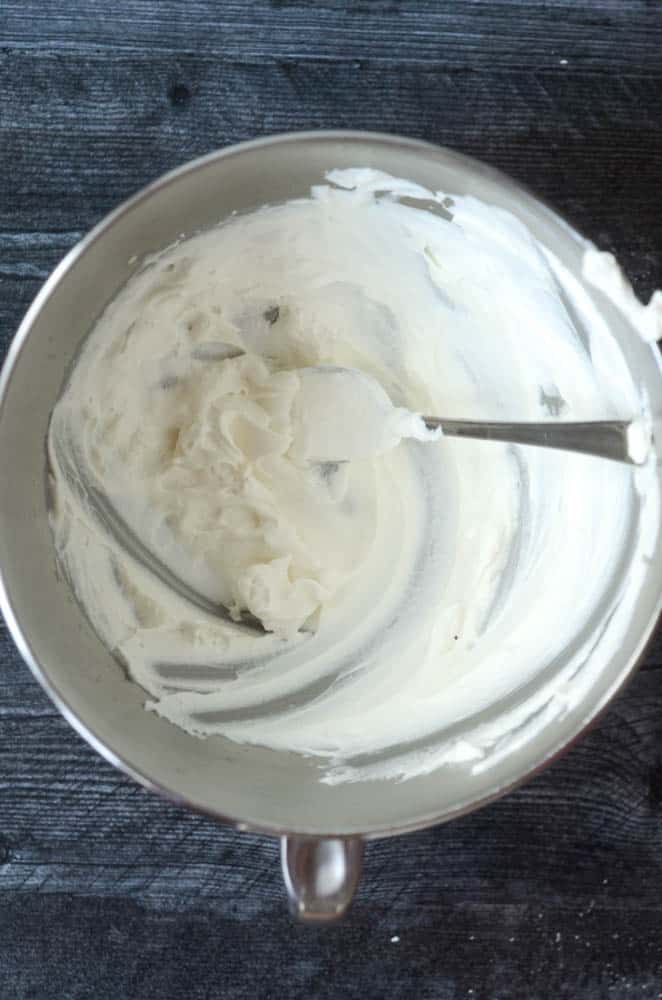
x=321, y=875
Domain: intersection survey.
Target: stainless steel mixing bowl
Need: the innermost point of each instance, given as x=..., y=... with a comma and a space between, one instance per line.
x=322, y=826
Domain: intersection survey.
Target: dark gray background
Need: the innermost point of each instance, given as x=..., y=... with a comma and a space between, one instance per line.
x=107, y=892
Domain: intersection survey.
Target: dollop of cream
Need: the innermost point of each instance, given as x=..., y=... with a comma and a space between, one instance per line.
x=407, y=586
x=604, y=272
x=342, y=414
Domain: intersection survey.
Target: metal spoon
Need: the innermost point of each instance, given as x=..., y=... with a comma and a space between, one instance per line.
x=344, y=413
x=619, y=440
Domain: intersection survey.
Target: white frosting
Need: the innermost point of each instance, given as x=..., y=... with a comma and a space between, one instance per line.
x=342, y=414
x=603, y=271
x=430, y=580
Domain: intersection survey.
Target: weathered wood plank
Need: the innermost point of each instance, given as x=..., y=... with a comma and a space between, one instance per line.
x=116, y=948
x=609, y=34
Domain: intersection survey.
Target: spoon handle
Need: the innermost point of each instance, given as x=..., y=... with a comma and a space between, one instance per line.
x=619, y=440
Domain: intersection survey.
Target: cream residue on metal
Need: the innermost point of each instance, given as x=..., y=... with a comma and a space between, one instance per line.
x=406, y=590
x=603, y=271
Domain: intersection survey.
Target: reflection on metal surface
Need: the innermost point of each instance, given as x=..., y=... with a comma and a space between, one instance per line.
x=321, y=875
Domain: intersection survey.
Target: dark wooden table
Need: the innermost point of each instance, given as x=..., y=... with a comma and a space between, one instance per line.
x=108, y=892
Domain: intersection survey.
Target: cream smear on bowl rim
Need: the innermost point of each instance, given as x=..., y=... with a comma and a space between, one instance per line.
x=403, y=592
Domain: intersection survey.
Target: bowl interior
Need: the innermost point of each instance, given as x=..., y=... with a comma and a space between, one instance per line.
x=260, y=788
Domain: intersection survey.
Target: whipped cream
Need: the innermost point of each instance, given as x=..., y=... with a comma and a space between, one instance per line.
x=342, y=414
x=406, y=586
x=603, y=271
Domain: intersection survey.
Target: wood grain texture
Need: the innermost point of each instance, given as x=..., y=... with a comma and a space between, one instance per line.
x=107, y=892
x=607, y=34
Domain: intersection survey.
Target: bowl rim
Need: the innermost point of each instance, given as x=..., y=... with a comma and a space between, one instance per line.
x=41, y=673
